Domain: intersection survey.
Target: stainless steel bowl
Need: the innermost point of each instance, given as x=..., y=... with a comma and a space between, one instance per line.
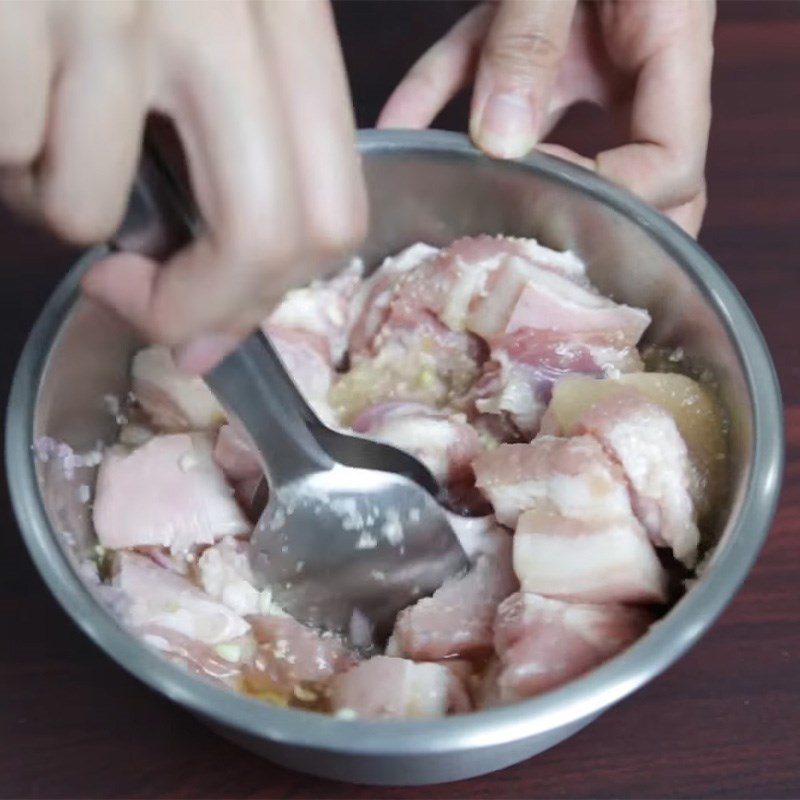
x=433, y=187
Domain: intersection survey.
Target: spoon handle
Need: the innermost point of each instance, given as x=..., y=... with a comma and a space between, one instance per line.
x=253, y=384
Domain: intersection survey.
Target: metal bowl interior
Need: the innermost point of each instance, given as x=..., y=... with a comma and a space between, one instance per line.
x=433, y=187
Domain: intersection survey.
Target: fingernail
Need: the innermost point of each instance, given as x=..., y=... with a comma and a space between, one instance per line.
x=507, y=126
x=201, y=354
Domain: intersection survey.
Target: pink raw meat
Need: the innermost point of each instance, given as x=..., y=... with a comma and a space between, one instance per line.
x=604, y=559
x=544, y=643
x=370, y=305
x=321, y=309
x=519, y=377
x=174, y=400
x=574, y=474
x=387, y=687
x=455, y=284
x=290, y=653
x=168, y=493
x=445, y=443
x=236, y=455
x=155, y=596
x=195, y=656
x=645, y=440
x=307, y=359
x=457, y=620
x=550, y=302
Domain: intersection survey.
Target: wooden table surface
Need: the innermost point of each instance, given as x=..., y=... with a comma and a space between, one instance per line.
x=723, y=722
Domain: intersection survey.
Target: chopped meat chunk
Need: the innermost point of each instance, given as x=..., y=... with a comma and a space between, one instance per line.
x=236, y=455
x=457, y=285
x=322, y=309
x=445, y=443
x=543, y=643
x=155, y=596
x=290, y=653
x=696, y=413
x=646, y=441
x=168, y=493
x=575, y=474
x=497, y=286
x=477, y=535
x=457, y=620
x=519, y=377
x=604, y=559
x=389, y=687
x=225, y=575
x=174, y=400
x=220, y=664
x=550, y=302
x=370, y=304
x=306, y=358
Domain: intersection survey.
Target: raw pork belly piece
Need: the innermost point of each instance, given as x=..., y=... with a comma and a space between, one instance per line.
x=168, y=493
x=493, y=287
x=548, y=302
x=543, y=643
x=225, y=574
x=605, y=559
x=576, y=475
x=370, y=305
x=458, y=280
x=519, y=377
x=445, y=443
x=306, y=358
x=157, y=597
x=457, y=619
x=322, y=309
x=646, y=441
x=289, y=653
x=698, y=415
x=236, y=455
x=198, y=658
x=174, y=400
x=389, y=687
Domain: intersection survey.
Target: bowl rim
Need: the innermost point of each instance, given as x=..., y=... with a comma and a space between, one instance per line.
x=581, y=698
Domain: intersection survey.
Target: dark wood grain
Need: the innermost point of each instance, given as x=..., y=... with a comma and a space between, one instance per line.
x=723, y=722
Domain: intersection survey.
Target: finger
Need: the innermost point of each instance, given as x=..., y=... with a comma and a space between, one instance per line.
x=439, y=74
x=690, y=215
x=518, y=67
x=567, y=155
x=671, y=112
x=315, y=100
x=26, y=70
x=94, y=135
x=25, y=74
x=216, y=86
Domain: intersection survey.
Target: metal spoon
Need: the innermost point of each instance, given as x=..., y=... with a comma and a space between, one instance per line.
x=352, y=532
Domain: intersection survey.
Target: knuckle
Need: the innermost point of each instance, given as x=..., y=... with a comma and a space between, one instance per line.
x=336, y=234
x=249, y=242
x=688, y=181
x=520, y=52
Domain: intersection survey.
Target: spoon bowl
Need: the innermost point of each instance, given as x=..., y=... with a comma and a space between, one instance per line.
x=346, y=549
x=344, y=537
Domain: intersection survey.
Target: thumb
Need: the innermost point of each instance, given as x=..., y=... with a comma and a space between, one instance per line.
x=518, y=67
